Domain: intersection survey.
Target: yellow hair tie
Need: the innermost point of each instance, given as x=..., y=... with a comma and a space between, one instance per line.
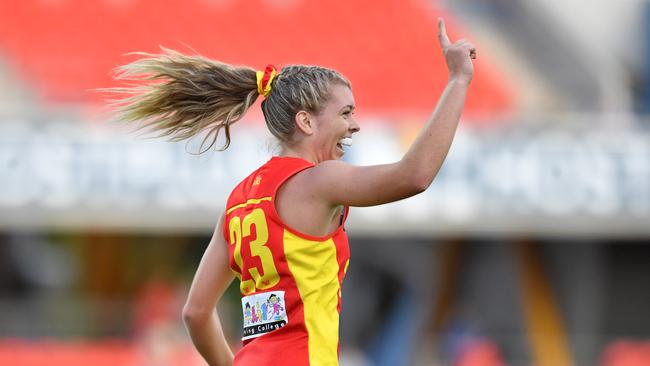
x=264, y=79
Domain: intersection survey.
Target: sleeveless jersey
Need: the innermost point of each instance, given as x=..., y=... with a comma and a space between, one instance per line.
x=290, y=282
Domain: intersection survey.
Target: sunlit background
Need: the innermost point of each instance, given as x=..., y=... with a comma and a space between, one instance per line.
x=530, y=248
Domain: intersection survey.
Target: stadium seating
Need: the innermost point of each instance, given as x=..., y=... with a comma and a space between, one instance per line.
x=87, y=352
x=388, y=48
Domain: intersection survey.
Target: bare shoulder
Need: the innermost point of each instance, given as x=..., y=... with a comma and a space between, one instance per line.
x=315, y=184
x=325, y=172
x=335, y=182
x=307, y=184
x=301, y=205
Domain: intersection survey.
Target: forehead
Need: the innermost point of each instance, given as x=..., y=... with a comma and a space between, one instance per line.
x=340, y=96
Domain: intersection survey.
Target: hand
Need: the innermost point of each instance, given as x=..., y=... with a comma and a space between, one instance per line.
x=458, y=56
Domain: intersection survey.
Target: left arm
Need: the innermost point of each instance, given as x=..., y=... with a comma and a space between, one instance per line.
x=211, y=280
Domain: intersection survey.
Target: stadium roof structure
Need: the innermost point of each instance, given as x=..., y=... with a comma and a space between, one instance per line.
x=387, y=48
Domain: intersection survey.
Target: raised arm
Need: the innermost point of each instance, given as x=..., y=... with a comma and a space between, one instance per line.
x=199, y=313
x=341, y=183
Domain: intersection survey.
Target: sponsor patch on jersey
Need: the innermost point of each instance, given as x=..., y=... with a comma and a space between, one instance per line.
x=263, y=313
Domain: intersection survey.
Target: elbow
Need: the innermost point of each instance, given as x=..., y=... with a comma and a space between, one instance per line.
x=413, y=186
x=415, y=178
x=420, y=186
x=193, y=315
x=189, y=315
x=419, y=183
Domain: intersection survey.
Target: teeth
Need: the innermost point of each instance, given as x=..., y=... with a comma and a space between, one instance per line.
x=346, y=141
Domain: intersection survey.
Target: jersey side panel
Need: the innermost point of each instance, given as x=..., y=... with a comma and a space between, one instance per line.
x=315, y=271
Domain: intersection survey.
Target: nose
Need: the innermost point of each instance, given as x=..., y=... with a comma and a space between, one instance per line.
x=354, y=126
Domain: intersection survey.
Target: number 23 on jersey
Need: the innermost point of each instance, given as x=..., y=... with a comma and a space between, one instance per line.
x=242, y=229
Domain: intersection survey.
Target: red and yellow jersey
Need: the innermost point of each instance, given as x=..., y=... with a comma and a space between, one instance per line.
x=290, y=282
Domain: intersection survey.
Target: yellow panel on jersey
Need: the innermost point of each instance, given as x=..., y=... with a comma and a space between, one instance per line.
x=251, y=201
x=315, y=270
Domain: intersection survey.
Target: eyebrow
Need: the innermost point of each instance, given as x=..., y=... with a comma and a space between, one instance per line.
x=348, y=106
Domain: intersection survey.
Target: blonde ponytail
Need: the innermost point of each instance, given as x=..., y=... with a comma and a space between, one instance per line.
x=180, y=96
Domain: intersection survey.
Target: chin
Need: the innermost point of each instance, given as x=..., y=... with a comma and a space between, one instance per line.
x=339, y=153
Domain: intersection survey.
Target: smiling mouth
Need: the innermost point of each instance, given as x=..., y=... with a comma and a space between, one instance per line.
x=346, y=141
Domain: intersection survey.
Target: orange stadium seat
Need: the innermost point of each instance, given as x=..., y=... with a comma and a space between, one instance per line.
x=388, y=48
x=92, y=352
x=25, y=353
x=626, y=353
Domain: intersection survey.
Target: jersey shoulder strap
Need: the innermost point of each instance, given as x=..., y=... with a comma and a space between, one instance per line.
x=264, y=182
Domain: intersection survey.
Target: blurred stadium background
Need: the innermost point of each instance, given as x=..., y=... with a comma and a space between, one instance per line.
x=531, y=247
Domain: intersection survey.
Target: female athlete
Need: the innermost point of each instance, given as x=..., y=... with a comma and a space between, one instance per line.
x=281, y=233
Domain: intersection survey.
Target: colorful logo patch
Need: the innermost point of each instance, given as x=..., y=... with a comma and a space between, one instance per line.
x=263, y=313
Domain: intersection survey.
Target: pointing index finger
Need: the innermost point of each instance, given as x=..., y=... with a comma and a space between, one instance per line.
x=442, y=34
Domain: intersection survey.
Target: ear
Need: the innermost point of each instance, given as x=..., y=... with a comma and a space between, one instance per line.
x=304, y=122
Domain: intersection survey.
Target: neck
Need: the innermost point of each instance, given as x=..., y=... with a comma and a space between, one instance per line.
x=298, y=151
